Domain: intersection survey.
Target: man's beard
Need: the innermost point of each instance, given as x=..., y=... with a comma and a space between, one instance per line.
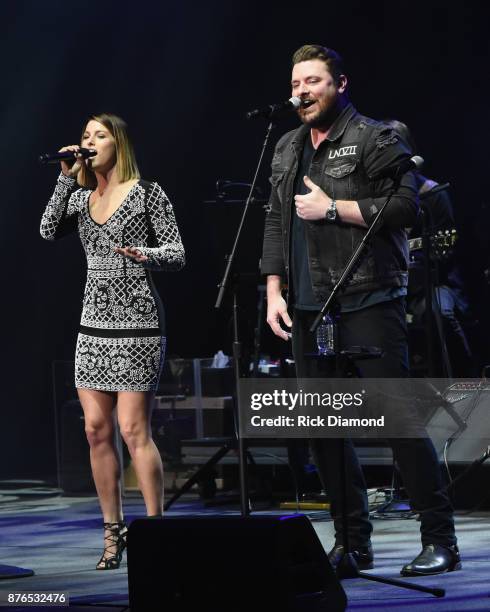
x=325, y=117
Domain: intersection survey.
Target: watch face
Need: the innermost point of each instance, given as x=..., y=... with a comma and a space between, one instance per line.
x=331, y=214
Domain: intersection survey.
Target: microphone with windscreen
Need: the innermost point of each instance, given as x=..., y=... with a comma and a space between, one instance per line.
x=273, y=111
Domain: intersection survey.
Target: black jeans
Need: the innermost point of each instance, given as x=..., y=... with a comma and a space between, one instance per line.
x=381, y=325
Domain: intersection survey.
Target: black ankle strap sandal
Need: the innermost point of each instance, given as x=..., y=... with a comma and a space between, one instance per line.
x=115, y=541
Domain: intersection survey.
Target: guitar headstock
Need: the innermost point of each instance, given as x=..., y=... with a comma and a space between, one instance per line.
x=442, y=243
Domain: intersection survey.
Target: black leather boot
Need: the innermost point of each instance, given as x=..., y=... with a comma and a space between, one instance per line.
x=363, y=556
x=433, y=559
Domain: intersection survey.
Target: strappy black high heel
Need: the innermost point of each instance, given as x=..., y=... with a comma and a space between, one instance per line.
x=115, y=540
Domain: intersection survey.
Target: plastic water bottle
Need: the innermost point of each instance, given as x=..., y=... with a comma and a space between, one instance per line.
x=325, y=336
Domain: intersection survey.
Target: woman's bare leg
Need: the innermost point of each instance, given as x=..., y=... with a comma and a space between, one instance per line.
x=134, y=415
x=99, y=426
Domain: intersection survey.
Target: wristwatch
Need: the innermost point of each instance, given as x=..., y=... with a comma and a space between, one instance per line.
x=331, y=213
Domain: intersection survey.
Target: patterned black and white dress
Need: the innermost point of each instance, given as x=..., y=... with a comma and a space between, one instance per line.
x=121, y=344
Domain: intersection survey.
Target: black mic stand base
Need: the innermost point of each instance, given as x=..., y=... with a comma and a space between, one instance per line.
x=403, y=584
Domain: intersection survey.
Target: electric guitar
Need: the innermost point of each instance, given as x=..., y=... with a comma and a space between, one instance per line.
x=441, y=244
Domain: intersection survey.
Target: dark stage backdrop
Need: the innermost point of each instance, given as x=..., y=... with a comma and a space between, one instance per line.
x=182, y=75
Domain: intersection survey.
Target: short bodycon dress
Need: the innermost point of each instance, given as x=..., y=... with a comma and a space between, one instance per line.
x=121, y=344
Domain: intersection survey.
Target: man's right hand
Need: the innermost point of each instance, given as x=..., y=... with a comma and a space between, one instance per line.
x=277, y=309
x=68, y=168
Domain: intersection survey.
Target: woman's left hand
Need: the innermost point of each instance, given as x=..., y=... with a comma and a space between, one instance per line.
x=132, y=253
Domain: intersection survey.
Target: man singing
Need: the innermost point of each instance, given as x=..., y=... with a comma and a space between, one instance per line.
x=329, y=179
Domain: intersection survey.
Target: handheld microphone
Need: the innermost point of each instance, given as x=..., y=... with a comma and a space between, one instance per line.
x=54, y=158
x=275, y=110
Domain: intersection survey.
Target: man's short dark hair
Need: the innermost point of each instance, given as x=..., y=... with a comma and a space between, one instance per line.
x=331, y=58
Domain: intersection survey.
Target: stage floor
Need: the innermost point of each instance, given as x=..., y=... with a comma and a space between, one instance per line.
x=60, y=539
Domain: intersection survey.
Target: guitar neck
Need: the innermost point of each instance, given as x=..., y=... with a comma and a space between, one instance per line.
x=414, y=244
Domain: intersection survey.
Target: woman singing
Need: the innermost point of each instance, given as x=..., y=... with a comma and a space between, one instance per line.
x=128, y=230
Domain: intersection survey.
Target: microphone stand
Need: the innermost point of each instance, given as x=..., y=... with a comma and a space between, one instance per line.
x=237, y=347
x=348, y=566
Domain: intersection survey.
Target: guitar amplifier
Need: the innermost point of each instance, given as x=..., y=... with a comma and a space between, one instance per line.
x=72, y=450
x=462, y=424
x=75, y=473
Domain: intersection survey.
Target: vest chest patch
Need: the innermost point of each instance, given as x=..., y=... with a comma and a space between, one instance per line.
x=342, y=152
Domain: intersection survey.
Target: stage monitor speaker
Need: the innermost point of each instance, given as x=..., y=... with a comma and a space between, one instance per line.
x=230, y=563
